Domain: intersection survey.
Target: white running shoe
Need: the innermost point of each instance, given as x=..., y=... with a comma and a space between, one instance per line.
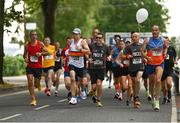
x=73, y=101
x=83, y=95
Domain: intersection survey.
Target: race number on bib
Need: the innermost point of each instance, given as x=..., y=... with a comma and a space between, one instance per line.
x=76, y=59
x=48, y=57
x=34, y=59
x=137, y=61
x=156, y=53
x=98, y=63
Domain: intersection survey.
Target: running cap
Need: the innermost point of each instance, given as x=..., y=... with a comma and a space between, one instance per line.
x=77, y=31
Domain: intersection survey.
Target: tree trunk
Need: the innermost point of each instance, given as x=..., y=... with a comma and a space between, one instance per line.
x=49, y=8
x=1, y=39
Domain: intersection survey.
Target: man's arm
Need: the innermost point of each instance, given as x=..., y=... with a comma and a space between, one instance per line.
x=85, y=48
x=44, y=50
x=143, y=50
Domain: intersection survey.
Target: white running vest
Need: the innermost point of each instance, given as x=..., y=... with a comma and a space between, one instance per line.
x=76, y=61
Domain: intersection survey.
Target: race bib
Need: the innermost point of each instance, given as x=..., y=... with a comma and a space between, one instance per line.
x=137, y=61
x=58, y=59
x=98, y=63
x=76, y=59
x=47, y=57
x=156, y=53
x=33, y=58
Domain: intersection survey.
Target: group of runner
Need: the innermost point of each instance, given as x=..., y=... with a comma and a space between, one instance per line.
x=84, y=62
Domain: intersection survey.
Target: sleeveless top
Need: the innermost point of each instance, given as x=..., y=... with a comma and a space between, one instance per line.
x=33, y=60
x=49, y=60
x=58, y=62
x=136, y=63
x=76, y=58
x=155, y=51
x=99, y=54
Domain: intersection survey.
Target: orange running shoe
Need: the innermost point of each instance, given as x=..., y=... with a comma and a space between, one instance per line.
x=33, y=102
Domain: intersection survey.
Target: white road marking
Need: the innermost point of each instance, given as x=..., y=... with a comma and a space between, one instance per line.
x=174, y=110
x=14, y=93
x=6, y=118
x=38, y=108
x=63, y=100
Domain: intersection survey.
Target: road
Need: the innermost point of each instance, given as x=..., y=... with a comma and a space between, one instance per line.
x=15, y=108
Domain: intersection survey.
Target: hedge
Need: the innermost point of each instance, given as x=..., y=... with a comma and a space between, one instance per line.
x=13, y=66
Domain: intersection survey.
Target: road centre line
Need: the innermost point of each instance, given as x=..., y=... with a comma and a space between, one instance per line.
x=63, y=100
x=9, y=117
x=38, y=108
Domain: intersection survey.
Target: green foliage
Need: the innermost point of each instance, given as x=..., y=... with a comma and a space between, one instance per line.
x=11, y=14
x=108, y=15
x=13, y=66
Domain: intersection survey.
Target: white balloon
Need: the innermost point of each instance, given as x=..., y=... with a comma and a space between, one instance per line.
x=141, y=15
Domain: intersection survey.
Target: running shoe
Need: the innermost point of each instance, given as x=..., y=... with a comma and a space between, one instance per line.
x=94, y=99
x=168, y=100
x=116, y=96
x=169, y=94
x=83, y=95
x=137, y=103
x=33, y=102
x=120, y=97
x=98, y=103
x=156, y=105
x=73, y=101
x=148, y=96
x=56, y=93
x=79, y=98
x=127, y=102
x=164, y=100
x=152, y=103
x=48, y=93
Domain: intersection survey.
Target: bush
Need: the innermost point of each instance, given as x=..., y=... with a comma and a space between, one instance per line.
x=13, y=66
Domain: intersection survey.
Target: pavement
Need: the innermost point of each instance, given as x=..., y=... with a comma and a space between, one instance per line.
x=20, y=83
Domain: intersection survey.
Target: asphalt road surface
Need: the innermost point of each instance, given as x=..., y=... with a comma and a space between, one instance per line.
x=16, y=108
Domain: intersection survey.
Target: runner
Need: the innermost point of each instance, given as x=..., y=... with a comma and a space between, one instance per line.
x=65, y=63
x=168, y=73
x=57, y=67
x=156, y=48
x=33, y=57
x=94, y=34
x=117, y=68
x=77, y=50
x=48, y=65
x=99, y=54
x=133, y=53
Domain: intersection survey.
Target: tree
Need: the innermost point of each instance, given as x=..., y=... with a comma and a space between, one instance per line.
x=1, y=39
x=48, y=9
x=120, y=15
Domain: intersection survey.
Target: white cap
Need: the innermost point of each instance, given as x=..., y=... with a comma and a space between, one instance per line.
x=77, y=31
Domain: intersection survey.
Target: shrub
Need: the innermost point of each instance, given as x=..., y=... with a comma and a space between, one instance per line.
x=13, y=66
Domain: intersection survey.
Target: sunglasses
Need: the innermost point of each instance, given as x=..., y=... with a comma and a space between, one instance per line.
x=98, y=37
